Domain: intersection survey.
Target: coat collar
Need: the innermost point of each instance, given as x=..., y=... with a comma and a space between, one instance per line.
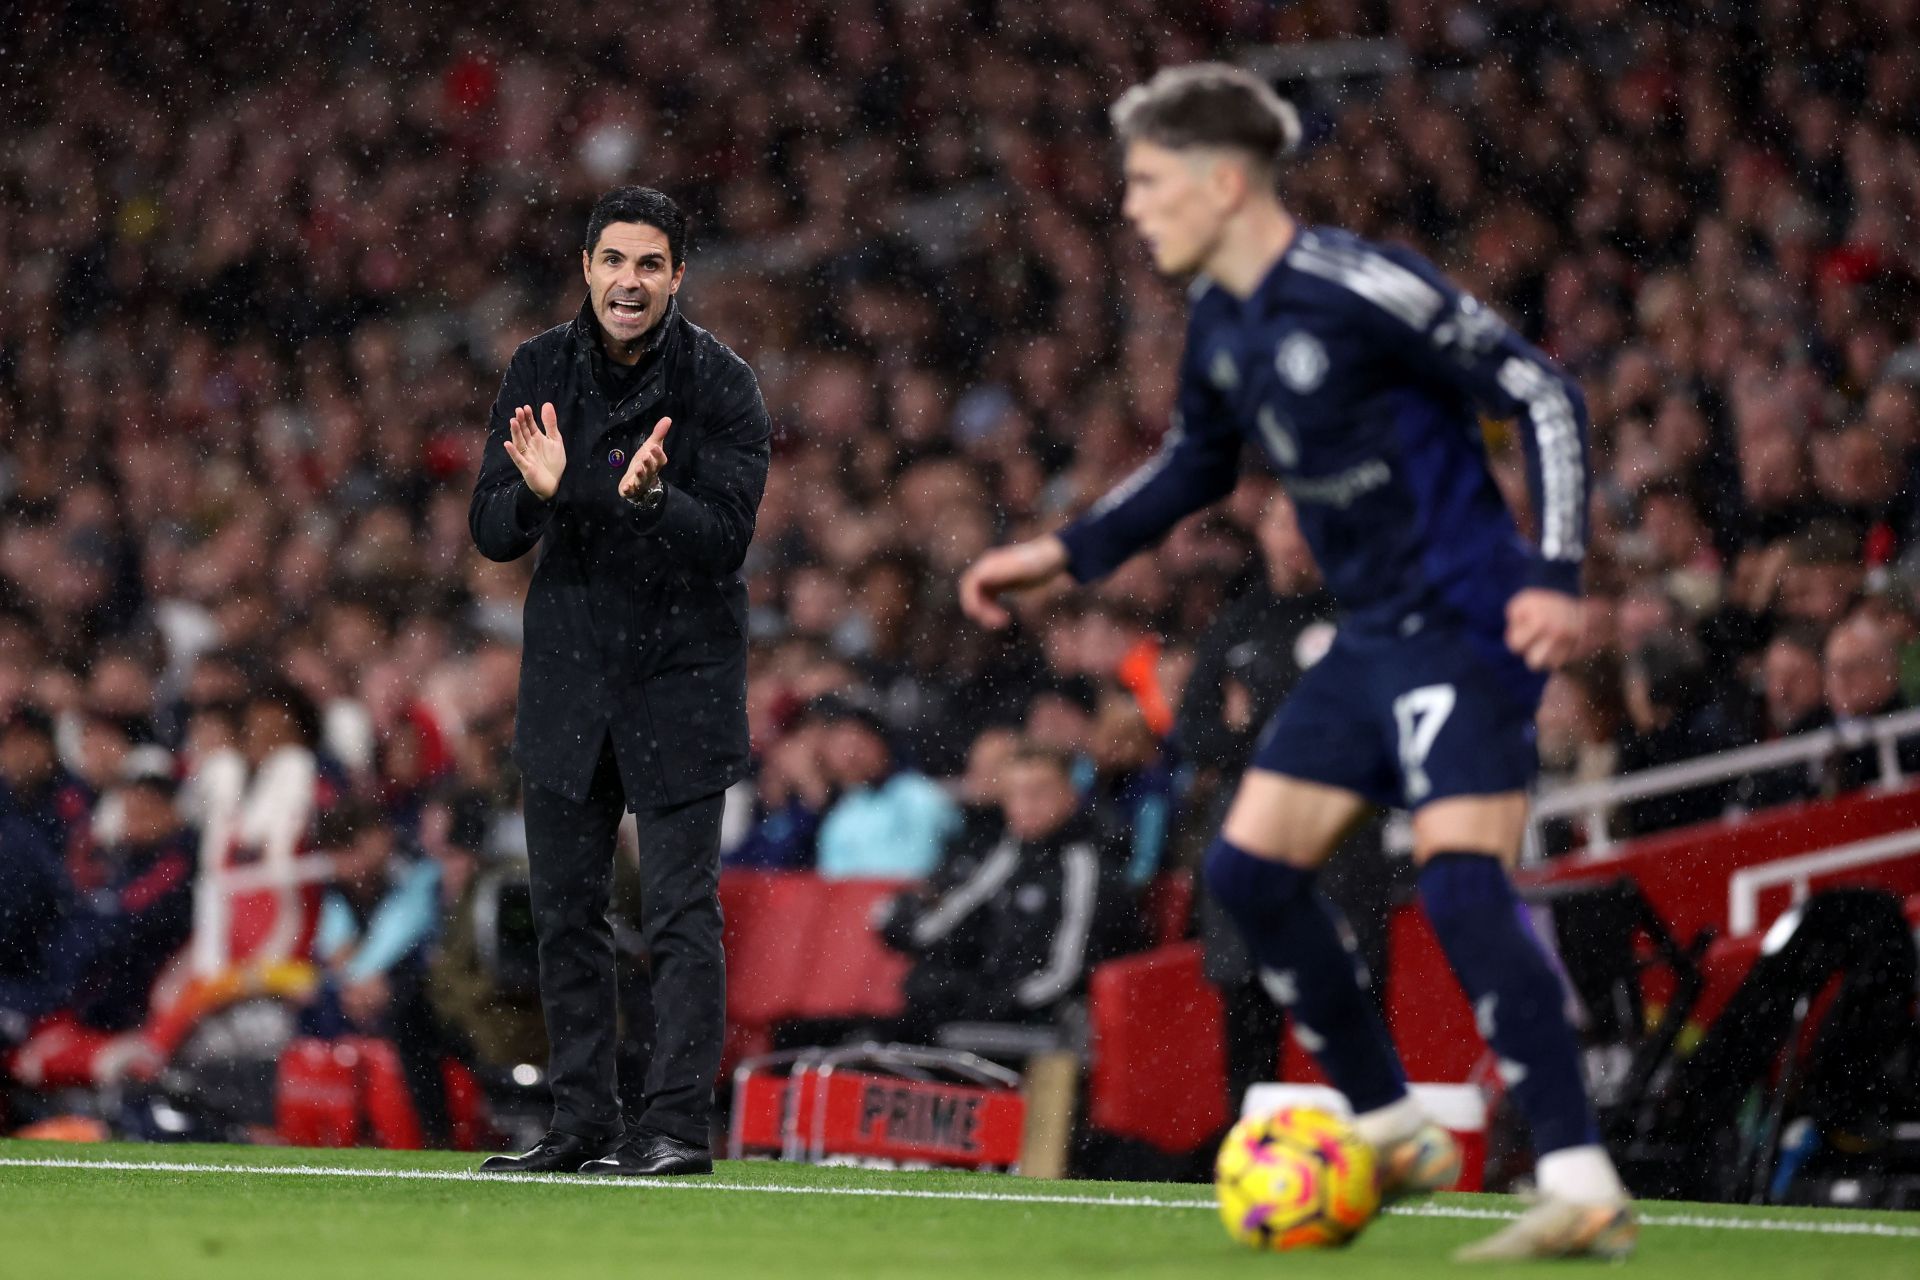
x=586, y=328
x=663, y=346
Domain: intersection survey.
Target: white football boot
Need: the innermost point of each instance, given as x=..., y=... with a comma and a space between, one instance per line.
x=1558, y=1228
x=1425, y=1161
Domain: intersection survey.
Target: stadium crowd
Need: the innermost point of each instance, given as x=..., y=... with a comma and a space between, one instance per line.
x=254, y=318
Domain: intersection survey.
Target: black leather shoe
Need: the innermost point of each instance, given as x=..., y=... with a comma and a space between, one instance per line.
x=652, y=1155
x=556, y=1153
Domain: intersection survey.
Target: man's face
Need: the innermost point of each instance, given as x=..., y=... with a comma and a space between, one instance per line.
x=148, y=814
x=1792, y=683
x=1863, y=674
x=26, y=758
x=855, y=755
x=1818, y=592
x=1038, y=799
x=1177, y=203
x=266, y=729
x=630, y=276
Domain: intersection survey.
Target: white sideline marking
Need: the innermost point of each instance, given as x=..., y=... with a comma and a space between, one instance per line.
x=1696, y=1221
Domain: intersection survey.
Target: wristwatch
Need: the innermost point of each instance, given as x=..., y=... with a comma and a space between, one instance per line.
x=650, y=497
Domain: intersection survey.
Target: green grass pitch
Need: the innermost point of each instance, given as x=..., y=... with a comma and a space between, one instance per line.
x=158, y=1212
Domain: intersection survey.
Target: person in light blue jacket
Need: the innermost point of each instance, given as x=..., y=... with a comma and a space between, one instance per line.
x=888, y=822
x=378, y=919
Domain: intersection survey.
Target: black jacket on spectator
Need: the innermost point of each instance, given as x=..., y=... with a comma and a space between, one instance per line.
x=636, y=622
x=35, y=897
x=1787, y=783
x=1860, y=768
x=1689, y=735
x=104, y=953
x=1018, y=934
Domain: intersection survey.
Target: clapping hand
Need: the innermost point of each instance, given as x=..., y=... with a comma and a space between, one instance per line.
x=537, y=449
x=648, y=460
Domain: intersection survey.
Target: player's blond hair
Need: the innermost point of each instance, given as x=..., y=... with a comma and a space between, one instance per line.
x=1209, y=104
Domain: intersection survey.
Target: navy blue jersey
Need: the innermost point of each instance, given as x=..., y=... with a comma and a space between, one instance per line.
x=1361, y=372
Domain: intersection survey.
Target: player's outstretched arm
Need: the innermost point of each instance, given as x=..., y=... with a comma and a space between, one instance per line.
x=1023, y=566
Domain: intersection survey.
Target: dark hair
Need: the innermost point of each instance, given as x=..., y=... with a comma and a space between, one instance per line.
x=839, y=708
x=339, y=826
x=1030, y=752
x=299, y=708
x=1209, y=104
x=1080, y=692
x=1804, y=636
x=31, y=718
x=644, y=205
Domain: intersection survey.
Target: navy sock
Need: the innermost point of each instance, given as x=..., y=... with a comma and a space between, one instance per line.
x=1306, y=964
x=1517, y=997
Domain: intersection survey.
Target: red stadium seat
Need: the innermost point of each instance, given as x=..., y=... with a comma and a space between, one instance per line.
x=393, y=1122
x=345, y=1092
x=468, y=1115
x=1159, y=1050
x=317, y=1095
x=769, y=936
x=852, y=974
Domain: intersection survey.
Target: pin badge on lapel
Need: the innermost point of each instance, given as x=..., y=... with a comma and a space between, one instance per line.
x=617, y=458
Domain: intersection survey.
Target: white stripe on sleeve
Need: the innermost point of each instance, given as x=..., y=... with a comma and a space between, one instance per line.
x=1557, y=438
x=1076, y=923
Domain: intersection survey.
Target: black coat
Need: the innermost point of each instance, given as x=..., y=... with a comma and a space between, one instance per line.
x=635, y=623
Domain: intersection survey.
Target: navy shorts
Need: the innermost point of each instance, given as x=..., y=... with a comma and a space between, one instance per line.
x=1404, y=720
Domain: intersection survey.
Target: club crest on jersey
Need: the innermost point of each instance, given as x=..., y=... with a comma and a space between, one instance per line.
x=1223, y=373
x=1301, y=361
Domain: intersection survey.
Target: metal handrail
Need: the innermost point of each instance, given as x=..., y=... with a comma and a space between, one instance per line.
x=1595, y=801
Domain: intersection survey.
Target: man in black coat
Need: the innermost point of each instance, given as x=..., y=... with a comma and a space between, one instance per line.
x=639, y=476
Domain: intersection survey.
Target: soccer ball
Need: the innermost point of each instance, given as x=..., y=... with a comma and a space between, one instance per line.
x=1296, y=1179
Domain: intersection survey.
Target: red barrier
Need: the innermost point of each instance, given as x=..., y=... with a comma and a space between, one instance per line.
x=317, y=1095
x=393, y=1123
x=1159, y=1064
x=769, y=935
x=852, y=974
x=1685, y=874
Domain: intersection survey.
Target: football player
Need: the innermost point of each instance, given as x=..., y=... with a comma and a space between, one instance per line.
x=1362, y=372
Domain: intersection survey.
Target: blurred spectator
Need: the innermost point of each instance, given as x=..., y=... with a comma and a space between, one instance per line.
x=37, y=897
x=1015, y=939
x=1579, y=731
x=104, y=953
x=376, y=921
x=1670, y=718
x=38, y=790
x=793, y=795
x=1793, y=702
x=1062, y=715
x=1133, y=794
x=481, y=977
x=1862, y=679
x=886, y=822
x=982, y=791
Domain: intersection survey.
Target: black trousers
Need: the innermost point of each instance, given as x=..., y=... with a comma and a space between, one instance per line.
x=570, y=857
